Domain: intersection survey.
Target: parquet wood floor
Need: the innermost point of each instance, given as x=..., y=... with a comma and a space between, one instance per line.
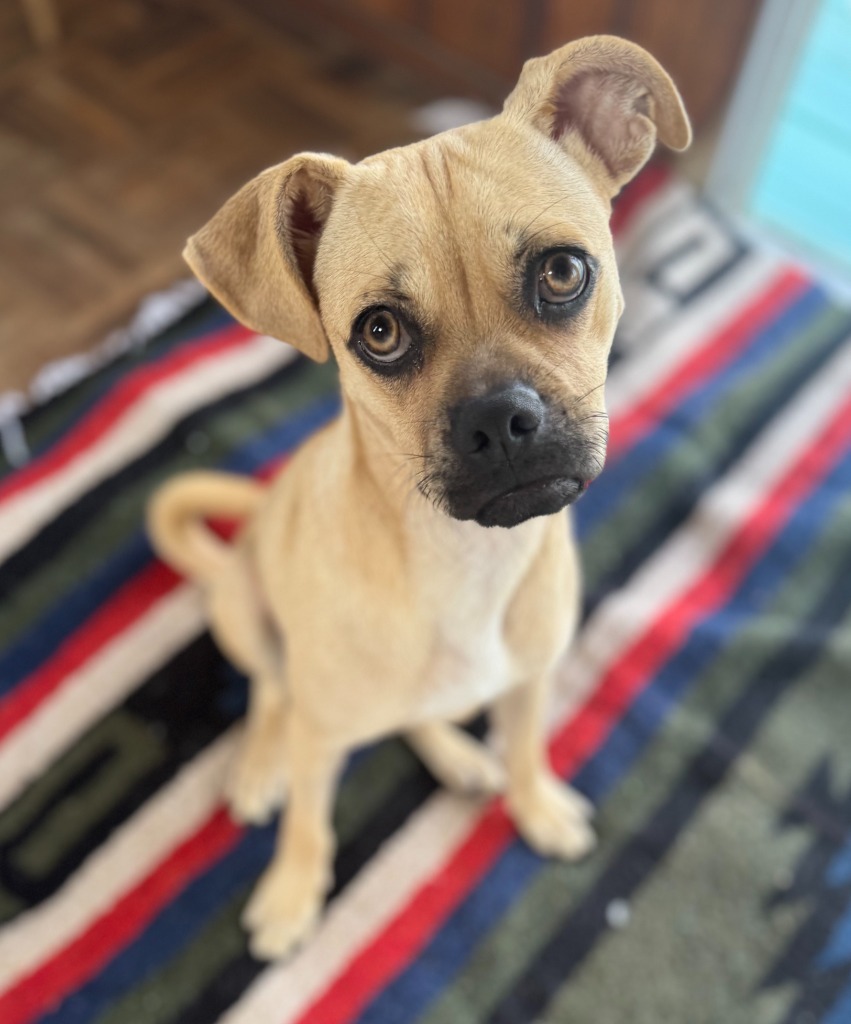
x=121, y=140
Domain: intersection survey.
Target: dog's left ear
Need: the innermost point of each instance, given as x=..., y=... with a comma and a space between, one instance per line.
x=257, y=254
x=609, y=96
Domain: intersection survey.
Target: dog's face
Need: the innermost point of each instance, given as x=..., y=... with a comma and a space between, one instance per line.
x=470, y=299
x=466, y=284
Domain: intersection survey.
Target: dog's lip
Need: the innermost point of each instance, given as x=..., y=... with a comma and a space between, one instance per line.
x=531, y=486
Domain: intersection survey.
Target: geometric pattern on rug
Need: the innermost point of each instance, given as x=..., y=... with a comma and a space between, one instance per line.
x=705, y=708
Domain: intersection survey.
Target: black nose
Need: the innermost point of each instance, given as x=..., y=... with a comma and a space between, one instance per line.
x=497, y=425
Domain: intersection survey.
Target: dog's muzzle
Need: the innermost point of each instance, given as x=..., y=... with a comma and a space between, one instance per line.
x=512, y=460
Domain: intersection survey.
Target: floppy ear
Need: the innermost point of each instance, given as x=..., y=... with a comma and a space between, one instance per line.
x=607, y=94
x=256, y=255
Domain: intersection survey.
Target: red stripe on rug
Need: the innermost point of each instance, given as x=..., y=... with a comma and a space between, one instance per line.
x=123, y=608
x=722, y=348
x=116, y=402
x=405, y=937
x=45, y=988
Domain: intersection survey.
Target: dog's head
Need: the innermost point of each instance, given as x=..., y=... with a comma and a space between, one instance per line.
x=466, y=284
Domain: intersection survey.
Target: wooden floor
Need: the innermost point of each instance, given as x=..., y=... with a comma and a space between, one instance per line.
x=119, y=142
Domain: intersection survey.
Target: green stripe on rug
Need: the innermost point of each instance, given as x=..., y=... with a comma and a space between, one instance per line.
x=48, y=825
x=515, y=941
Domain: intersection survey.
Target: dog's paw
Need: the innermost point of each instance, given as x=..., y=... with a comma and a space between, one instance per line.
x=256, y=784
x=554, y=820
x=281, y=914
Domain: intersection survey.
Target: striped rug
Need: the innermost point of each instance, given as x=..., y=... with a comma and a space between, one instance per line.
x=706, y=708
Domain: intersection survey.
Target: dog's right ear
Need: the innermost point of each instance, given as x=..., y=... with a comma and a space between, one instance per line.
x=605, y=99
x=257, y=254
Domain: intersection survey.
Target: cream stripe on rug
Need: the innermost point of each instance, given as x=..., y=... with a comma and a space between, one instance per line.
x=369, y=903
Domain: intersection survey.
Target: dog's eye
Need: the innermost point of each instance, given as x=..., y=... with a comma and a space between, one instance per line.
x=382, y=336
x=562, y=277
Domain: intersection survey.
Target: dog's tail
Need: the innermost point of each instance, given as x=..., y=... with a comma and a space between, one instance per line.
x=176, y=513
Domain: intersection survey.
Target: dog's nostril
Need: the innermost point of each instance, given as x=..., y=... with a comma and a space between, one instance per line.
x=480, y=441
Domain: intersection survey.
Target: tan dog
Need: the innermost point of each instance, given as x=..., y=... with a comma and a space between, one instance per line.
x=468, y=290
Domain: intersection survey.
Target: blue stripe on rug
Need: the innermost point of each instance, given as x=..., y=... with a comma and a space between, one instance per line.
x=837, y=952
x=840, y=1012
x=839, y=873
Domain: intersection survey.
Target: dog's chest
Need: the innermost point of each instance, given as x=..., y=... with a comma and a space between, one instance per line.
x=468, y=586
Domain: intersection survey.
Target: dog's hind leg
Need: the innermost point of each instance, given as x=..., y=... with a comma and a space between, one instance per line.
x=456, y=759
x=256, y=782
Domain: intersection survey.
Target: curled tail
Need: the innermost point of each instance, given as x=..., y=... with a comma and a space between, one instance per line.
x=176, y=513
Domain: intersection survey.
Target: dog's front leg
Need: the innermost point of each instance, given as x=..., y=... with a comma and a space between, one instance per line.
x=551, y=816
x=286, y=904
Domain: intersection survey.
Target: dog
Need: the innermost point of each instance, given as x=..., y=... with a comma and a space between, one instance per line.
x=414, y=564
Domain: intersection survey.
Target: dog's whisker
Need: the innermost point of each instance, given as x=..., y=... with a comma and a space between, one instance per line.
x=587, y=395
x=563, y=197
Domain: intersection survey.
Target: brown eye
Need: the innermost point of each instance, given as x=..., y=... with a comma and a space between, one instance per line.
x=562, y=277
x=382, y=336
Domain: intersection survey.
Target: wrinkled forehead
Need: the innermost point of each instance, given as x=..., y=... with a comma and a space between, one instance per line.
x=467, y=202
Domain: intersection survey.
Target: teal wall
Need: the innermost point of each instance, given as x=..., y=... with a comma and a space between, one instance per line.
x=803, y=186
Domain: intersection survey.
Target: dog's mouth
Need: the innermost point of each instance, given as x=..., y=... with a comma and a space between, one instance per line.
x=542, y=497
x=544, y=475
